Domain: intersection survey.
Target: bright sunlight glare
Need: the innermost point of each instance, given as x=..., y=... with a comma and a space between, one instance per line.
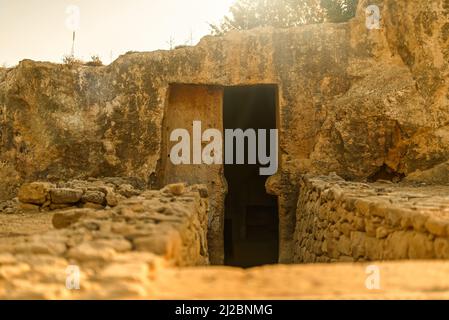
x=107, y=28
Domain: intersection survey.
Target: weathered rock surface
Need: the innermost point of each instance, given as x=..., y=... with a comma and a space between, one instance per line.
x=65, y=196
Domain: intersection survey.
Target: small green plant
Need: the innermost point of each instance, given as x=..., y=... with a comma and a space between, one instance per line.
x=249, y=14
x=95, y=61
x=71, y=61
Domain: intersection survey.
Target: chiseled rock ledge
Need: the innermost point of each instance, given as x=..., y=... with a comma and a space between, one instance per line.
x=339, y=220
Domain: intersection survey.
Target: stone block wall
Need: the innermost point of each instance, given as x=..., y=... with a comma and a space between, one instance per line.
x=170, y=224
x=116, y=250
x=340, y=221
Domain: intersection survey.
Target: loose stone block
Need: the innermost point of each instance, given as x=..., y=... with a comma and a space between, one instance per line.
x=34, y=193
x=419, y=221
x=397, y=245
x=27, y=207
x=437, y=226
x=421, y=247
x=346, y=229
x=382, y=232
x=112, y=199
x=176, y=189
x=371, y=225
x=128, y=191
x=379, y=209
x=65, y=195
x=374, y=248
x=393, y=217
x=344, y=245
x=97, y=197
x=65, y=219
x=362, y=206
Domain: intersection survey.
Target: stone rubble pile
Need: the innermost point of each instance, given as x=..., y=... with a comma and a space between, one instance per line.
x=94, y=194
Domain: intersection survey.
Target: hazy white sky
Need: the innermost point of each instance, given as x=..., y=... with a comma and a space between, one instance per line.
x=37, y=29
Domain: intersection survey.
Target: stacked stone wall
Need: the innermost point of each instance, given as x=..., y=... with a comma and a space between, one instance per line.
x=340, y=221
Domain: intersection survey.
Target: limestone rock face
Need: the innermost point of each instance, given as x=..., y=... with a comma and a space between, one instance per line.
x=418, y=32
x=351, y=100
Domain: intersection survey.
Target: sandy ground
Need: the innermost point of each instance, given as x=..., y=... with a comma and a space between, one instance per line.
x=396, y=280
x=23, y=224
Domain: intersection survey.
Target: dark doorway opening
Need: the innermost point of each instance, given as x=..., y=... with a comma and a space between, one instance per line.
x=251, y=215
